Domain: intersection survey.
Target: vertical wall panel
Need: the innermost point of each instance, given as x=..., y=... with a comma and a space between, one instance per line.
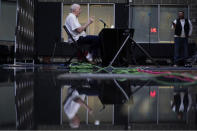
x=48, y=27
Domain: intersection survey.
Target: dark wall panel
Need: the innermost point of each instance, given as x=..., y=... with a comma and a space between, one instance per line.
x=112, y=40
x=48, y=27
x=121, y=21
x=47, y=98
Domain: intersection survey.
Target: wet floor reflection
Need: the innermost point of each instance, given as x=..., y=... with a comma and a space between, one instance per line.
x=39, y=98
x=17, y=99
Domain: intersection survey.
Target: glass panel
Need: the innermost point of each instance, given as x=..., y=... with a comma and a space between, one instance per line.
x=146, y=109
x=144, y=19
x=83, y=18
x=167, y=15
x=103, y=12
x=7, y=103
x=104, y=114
x=166, y=113
x=7, y=21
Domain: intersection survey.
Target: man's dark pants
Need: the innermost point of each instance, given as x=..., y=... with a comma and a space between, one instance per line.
x=180, y=49
x=93, y=41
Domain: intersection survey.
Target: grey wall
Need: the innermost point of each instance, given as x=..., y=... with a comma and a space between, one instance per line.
x=7, y=104
x=7, y=21
x=193, y=10
x=192, y=4
x=86, y=1
x=193, y=17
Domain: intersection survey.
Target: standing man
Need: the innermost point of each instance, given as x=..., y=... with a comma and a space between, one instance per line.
x=78, y=31
x=182, y=102
x=183, y=30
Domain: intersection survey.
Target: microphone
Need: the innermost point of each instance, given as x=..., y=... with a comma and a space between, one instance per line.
x=102, y=22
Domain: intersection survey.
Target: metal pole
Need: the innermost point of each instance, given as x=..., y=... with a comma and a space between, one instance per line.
x=119, y=50
x=113, y=114
x=157, y=105
x=87, y=110
x=15, y=45
x=61, y=102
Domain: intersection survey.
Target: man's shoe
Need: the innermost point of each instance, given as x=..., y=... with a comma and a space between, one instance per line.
x=174, y=65
x=188, y=65
x=92, y=62
x=89, y=57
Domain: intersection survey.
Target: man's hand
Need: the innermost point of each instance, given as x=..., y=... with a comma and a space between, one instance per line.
x=91, y=20
x=83, y=28
x=90, y=111
x=174, y=25
x=82, y=103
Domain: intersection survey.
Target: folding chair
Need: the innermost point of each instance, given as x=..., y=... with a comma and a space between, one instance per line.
x=79, y=49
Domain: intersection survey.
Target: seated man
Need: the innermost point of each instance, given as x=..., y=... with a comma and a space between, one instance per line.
x=78, y=31
x=71, y=106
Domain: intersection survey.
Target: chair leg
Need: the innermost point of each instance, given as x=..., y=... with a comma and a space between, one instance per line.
x=82, y=55
x=78, y=53
x=69, y=61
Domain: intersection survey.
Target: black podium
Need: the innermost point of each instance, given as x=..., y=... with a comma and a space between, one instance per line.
x=111, y=40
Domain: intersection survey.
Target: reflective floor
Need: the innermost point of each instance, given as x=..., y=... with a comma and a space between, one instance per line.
x=90, y=97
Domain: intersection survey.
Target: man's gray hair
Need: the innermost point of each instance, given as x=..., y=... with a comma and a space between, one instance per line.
x=74, y=7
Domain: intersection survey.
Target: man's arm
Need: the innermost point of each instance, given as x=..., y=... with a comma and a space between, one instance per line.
x=174, y=24
x=191, y=28
x=81, y=102
x=190, y=101
x=82, y=28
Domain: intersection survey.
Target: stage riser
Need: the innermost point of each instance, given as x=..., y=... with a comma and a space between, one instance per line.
x=6, y=54
x=163, y=50
x=156, y=50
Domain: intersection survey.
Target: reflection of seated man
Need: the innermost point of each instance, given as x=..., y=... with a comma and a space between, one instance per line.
x=181, y=104
x=71, y=106
x=78, y=31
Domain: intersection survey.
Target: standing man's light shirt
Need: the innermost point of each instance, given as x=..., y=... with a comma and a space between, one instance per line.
x=72, y=24
x=182, y=24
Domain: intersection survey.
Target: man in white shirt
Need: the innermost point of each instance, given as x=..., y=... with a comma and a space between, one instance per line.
x=78, y=31
x=183, y=30
x=71, y=106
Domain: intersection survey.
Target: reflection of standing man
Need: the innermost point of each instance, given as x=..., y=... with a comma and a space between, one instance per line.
x=183, y=30
x=181, y=103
